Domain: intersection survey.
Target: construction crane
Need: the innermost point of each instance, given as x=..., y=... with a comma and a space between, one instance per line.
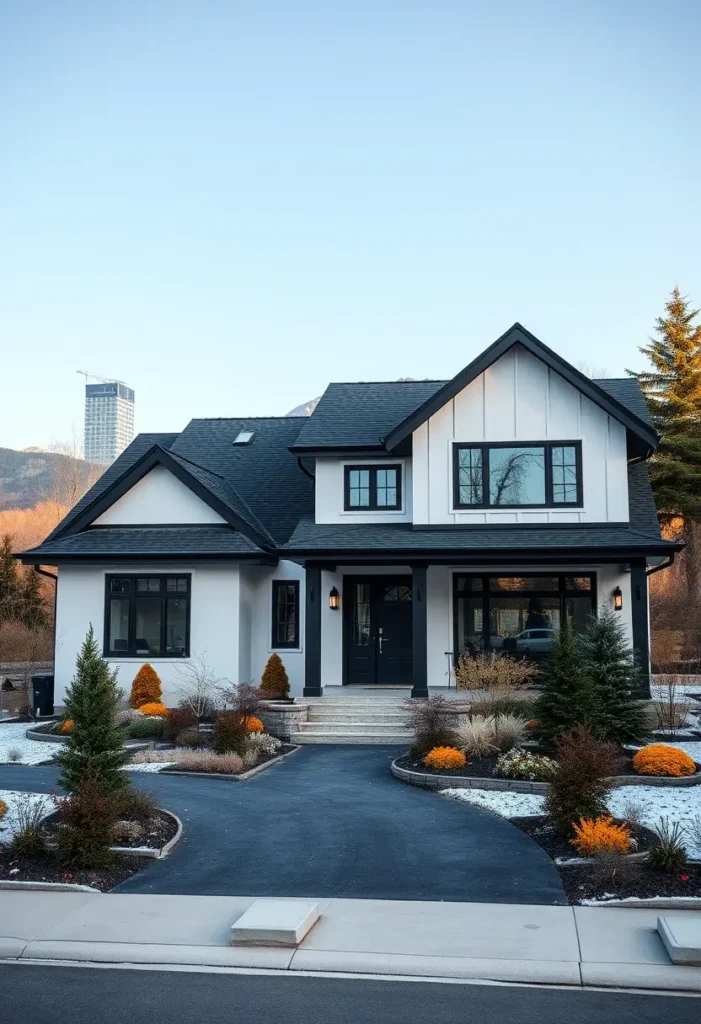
x=103, y=380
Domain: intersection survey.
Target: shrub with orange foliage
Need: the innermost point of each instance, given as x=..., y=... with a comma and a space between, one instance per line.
x=660, y=759
x=445, y=758
x=66, y=726
x=146, y=687
x=253, y=724
x=154, y=709
x=594, y=836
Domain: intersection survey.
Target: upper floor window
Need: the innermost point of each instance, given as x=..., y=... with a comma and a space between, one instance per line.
x=147, y=616
x=539, y=475
x=372, y=488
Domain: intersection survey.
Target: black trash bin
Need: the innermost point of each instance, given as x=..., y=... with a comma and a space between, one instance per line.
x=43, y=694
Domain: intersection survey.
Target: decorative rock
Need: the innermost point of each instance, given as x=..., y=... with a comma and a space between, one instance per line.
x=275, y=923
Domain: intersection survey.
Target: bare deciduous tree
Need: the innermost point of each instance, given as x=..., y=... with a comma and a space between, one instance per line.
x=199, y=686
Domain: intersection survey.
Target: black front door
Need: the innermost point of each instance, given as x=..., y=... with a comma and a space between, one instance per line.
x=377, y=630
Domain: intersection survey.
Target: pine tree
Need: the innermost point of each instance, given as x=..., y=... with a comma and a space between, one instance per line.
x=31, y=605
x=274, y=680
x=146, y=687
x=673, y=392
x=617, y=714
x=94, y=746
x=9, y=583
x=565, y=698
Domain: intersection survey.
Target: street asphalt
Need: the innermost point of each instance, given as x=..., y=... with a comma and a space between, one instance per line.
x=45, y=995
x=332, y=821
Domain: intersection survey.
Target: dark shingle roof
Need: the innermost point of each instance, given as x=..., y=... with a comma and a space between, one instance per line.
x=136, y=450
x=361, y=415
x=628, y=392
x=114, y=541
x=641, y=503
x=264, y=473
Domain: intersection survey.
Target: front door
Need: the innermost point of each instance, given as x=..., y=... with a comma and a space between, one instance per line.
x=377, y=630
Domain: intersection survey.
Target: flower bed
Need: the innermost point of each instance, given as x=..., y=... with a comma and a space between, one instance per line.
x=178, y=761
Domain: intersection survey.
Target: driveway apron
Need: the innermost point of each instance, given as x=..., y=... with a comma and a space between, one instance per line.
x=332, y=821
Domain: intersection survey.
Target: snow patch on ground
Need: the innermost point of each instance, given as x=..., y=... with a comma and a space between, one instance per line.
x=8, y=824
x=154, y=766
x=14, y=737
x=508, y=804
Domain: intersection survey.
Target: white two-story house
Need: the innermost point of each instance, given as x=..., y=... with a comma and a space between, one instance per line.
x=371, y=544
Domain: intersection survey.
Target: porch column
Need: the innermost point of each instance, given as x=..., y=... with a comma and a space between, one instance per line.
x=641, y=622
x=312, y=632
x=419, y=680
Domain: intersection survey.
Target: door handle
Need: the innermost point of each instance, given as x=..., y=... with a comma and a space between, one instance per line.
x=381, y=641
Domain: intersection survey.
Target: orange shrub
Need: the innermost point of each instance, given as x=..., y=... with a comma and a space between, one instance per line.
x=253, y=724
x=3, y=809
x=660, y=759
x=66, y=726
x=445, y=758
x=594, y=836
x=155, y=709
x=146, y=687
x=532, y=723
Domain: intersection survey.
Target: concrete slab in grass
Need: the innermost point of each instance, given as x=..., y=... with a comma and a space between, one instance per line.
x=275, y=923
x=681, y=936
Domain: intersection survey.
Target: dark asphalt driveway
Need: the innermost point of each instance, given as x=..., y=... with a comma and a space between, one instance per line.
x=332, y=821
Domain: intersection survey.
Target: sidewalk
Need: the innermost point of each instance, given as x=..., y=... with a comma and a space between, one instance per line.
x=497, y=942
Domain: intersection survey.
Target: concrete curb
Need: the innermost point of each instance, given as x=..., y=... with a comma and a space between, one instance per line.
x=656, y=903
x=242, y=777
x=427, y=781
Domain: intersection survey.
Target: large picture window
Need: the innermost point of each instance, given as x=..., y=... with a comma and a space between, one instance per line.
x=285, y=613
x=372, y=488
x=147, y=616
x=518, y=615
x=533, y=475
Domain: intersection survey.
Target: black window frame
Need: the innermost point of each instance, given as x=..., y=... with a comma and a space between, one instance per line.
x=372, y=469
x=484, y=593
x=131, y=596
x=547, y=446
x=287, y=645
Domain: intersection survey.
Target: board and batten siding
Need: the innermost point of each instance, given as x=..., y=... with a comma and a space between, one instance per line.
x=519, y=398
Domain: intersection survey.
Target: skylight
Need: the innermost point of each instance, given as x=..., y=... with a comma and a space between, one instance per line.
x=244, y=437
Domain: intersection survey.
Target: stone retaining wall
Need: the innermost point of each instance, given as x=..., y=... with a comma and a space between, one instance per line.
x=281, y=720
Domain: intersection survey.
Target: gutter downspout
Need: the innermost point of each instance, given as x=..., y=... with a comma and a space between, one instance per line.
x=669, y=560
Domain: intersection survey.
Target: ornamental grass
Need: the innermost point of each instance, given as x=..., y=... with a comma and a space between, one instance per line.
x=445, y=758
x=660, y=759
x=596, y=836
x=154, y=709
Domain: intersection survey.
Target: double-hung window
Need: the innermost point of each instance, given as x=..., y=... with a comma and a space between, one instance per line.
x=285, y=613
x=373, y=488
x=544, y=474
x=147, y=616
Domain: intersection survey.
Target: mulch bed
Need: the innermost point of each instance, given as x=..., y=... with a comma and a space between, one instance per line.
x=599, y=881
x=483, y=767
x=45, y=867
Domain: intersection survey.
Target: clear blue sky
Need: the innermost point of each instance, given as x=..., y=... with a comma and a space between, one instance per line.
x=228, y=204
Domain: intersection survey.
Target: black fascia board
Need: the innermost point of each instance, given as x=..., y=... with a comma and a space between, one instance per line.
x=254, y=557
x=487, y=556
x=518, y=335
x=158, y=456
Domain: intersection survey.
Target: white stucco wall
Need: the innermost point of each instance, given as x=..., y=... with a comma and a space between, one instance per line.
x=520, y=399
x=159, y=497
x=214, y=622
x=258, y=588
x=329, y=494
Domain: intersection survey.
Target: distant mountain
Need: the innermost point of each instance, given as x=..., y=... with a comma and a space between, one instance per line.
x=305, y=410
x=33, y=475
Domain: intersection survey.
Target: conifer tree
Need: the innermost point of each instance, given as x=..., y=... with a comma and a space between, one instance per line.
x=94, y=747
x=274, y=680
x=616, y=711
x=31, y=606
x=673, y=392
x=146, y=687
x=9, y=583
x=565, y=698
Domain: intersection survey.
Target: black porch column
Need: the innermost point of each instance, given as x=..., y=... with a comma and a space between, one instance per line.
x=419, y=680
x=641, y=627
x=312, y=632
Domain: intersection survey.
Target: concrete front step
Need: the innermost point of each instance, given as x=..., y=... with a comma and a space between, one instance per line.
x=403, y=737
x=359, y=715
x=373, y=728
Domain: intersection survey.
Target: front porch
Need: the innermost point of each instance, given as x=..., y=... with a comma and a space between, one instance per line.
x=396, y=629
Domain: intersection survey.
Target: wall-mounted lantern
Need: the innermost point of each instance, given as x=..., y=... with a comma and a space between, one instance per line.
x=334, y=599
x=618, y=599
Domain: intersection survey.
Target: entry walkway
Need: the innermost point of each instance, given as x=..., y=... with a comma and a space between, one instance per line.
x=331, y=821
